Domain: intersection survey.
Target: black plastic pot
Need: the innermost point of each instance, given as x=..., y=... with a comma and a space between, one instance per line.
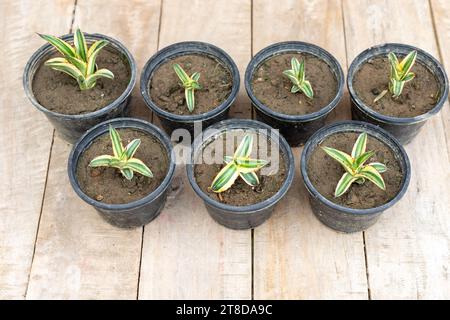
x=171, y=121
x=71, y=127
x=342, y=218
x=295, y=128
x=404, y=129
x=241, y=217
x=136, y=213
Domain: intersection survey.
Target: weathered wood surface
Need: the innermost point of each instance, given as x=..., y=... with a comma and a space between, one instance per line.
x=408, y=250
x=184, y=253
x=25, y=136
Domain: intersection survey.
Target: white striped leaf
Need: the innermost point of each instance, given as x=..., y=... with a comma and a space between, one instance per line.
x=370, y=173
x=62, y=46
x=360, y=145
x=344, y=184
x=245, y=147
x=225, y=178
x=250, y=178
x=344, y=159
x=80, y=45
x=101, y=161
x=131, y=148
x=380, y=167
x=116, y=142
x=127, y=173
x=139, y=167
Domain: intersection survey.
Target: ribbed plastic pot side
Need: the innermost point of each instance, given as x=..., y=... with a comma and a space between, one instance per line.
x=132, y=214
x=404, y=129
x=171, y=121
x=249, y=216
x=341, y=218
x=72, y=127
x=296, y=129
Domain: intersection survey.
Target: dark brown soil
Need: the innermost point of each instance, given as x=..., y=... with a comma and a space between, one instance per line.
x=325, y=172
x=167, y=92
x=273, y=88
x=240, y=193
x=107, y=184
x=58, y=92
x=419, y=95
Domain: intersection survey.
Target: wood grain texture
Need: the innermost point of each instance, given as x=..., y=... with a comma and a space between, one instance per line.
x=408, y=250
x=186, y=254
x=295, y=256
x=78, y=255
x=25, y=136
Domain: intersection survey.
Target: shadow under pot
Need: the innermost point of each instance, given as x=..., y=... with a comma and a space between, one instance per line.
x=122, y=202
x=73, y=111
x=360, y=206
x=240, y=205
x=402, y=116
x=280, y=103
x=165, y=94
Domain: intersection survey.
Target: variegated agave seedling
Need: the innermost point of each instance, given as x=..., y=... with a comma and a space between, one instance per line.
x=298, y=78
x=239, y=165
x=190, y=84
x=78, y=61
x=400, y=73
x=356, y=170
x=122, y=158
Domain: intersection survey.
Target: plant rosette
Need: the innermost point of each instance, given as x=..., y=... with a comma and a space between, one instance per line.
x=353, y=172
x=190, y=82
x=293, y=86
x=421, y=95
x=123, y=168
x=240, y=169
x=74, y=106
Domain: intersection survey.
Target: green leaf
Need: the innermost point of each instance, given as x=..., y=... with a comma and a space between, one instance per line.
x=245, y=147
x=127, y=173
x=190, y=99
x=307, y=89
x=362, y=159
x=131, y=148
x=92, y=54
x=344, y=183
x=225, y=178
x=301, y=72
x=80, y=45
x=67, y=68
x=102, y=73
x=344, y=159
x=116, y=142
x=295, y=66
x=139, y=167
x=63, y=47
x=181, y=73
x=408, y=62
x=380, y=167
x=360, y=145
x=249, y=178
x=101, y=161
x=249, y=165
x=370, y=173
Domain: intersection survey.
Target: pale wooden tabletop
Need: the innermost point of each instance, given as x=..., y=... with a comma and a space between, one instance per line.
x=53, y=245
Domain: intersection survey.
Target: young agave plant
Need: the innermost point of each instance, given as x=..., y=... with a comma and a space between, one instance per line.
x=356, y=170
x=239, y=165
x=190, y=84
x=122, y=158
x=297, y=77
x=79, y=61
x=400, y=73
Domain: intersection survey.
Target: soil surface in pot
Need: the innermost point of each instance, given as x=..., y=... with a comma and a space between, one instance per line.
x=325, y=172
x=419, y=95
x=240, y=193
x=107, y=184
x=273, y=88
x=58, y=92
x=167, y=92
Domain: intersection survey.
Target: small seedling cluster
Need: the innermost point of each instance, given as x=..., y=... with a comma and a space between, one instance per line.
x=190, y=84
x=78, y=61
x=298, y=78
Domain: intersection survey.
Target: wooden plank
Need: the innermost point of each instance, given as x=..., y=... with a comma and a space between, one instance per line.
x=25, y=136
x=185, y=253
x=78, y=255
x=440, y=13
x=295, y=256
x=408, y=251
